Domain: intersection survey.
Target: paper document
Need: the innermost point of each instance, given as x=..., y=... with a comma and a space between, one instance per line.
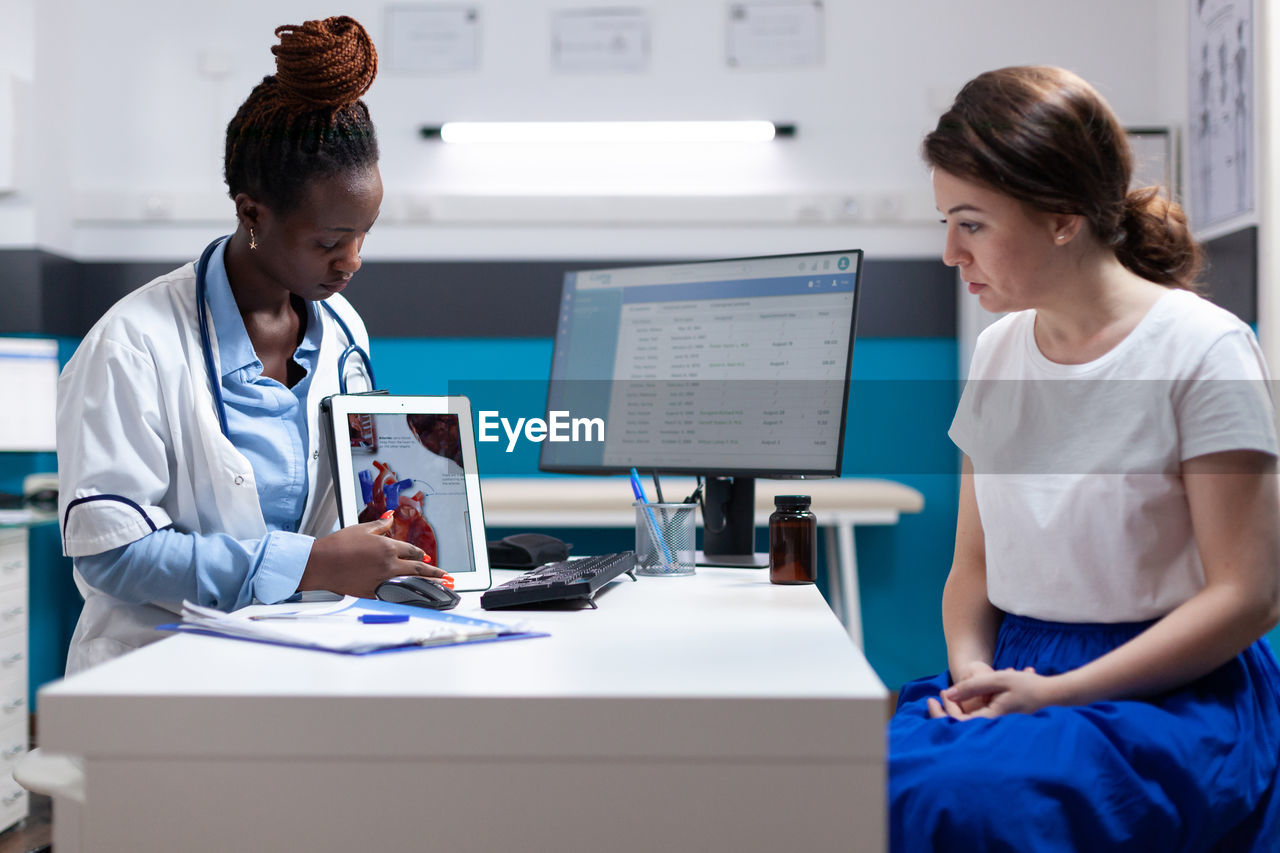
x=337, y=627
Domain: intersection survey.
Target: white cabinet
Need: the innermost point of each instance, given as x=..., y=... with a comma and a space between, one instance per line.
x=14, y=712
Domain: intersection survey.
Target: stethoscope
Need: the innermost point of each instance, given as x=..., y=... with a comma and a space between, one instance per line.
x=206, y=345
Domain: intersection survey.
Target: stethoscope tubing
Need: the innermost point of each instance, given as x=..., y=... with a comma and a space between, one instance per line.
x=206, y=341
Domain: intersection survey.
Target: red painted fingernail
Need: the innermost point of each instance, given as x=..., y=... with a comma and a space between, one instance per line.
x=390, y=513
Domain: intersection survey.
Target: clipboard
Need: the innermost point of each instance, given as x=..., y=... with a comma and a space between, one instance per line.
x=337, y=627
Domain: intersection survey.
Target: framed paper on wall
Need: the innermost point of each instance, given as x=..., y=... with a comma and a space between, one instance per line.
x=1154, y=159
x=1220, y=109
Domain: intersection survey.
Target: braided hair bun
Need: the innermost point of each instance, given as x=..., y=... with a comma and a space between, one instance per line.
x=306, y=121
x=325, y=63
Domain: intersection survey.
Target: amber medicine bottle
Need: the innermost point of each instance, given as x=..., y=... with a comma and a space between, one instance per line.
x=793, y=541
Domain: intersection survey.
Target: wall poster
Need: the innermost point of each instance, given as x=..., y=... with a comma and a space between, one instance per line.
x=433, y=39
x=1220, y=136
x=605, y=39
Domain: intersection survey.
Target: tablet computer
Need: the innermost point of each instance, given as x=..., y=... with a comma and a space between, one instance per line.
x=415, y=455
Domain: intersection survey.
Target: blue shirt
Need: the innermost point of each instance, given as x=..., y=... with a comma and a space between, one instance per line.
x=267, y=422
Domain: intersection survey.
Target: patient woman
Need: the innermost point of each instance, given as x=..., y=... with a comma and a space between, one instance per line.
x=1117, y=554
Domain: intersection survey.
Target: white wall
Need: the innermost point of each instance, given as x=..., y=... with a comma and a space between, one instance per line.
x=17, y=68
x=129, y=152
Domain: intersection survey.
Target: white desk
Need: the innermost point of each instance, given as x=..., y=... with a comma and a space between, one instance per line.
x=840, y=505
x=712, y=713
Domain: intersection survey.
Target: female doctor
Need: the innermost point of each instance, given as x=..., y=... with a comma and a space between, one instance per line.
x=189, y=442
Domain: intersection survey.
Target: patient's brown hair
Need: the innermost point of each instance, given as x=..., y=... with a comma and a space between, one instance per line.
x=1047, y=138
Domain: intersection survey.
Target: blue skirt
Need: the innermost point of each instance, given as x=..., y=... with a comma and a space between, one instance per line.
x=1197, y=768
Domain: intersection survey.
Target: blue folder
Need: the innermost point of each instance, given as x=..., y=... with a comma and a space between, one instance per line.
x=326, y=631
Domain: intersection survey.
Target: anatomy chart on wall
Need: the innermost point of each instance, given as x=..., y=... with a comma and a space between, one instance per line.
x=1220, y=111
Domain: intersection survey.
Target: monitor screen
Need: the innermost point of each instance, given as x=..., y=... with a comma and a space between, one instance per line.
x=29, y=388
x=736, y=367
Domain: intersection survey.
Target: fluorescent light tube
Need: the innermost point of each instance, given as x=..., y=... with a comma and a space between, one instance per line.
x=576, y=132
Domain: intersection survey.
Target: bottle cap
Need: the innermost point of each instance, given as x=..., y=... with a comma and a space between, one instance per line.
x=791, y=501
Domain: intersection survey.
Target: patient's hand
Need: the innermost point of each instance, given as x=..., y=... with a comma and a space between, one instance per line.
x=984, y=692
x=943, y=707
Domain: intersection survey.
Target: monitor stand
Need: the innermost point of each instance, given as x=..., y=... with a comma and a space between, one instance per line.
x=729, y=525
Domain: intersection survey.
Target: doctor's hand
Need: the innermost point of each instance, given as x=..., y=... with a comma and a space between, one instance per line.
x=354, y=560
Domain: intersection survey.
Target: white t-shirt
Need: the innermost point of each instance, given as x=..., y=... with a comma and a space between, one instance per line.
x=1077, y=466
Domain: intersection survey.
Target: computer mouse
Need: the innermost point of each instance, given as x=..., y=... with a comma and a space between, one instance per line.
x=418, y=591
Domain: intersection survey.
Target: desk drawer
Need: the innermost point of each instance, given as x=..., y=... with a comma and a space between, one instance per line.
x=13, y=609
x=13, y=801
x=13, y=744
x=13, y=678
x=13, y=702
x=13, y=558
x=13, y=537
x=13, y=657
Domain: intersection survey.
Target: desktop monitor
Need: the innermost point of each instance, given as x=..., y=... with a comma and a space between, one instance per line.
x=29, y=392
x=729, y=370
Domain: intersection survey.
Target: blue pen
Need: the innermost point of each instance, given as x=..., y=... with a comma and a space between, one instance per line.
x=653, y=522
x=364, y=618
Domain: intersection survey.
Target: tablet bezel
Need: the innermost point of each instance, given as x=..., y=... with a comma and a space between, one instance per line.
x=346, y=489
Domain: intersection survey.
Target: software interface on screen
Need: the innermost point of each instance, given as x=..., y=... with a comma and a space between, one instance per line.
x=736, y=366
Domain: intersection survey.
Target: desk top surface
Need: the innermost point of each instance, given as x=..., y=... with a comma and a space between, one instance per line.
x=17, y=519
x=722, y=639
x=842, y=494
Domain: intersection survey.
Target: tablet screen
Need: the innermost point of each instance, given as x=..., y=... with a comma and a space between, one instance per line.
x=412, y=463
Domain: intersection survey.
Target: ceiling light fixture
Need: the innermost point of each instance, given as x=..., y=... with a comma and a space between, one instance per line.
x=592, y=132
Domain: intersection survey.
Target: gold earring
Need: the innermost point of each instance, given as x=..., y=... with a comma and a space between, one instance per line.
x=253, y=244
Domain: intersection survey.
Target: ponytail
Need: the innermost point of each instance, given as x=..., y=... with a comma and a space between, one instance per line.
x=1155, y=242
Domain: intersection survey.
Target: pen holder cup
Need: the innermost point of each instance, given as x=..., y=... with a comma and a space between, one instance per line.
x=665, y=543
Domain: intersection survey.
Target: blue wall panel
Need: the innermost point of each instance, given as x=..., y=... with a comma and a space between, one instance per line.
x=901, y=401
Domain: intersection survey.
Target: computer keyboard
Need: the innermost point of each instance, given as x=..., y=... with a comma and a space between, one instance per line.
x=560, y=581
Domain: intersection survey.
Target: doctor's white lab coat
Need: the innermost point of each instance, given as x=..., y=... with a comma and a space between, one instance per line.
x=140, y=448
